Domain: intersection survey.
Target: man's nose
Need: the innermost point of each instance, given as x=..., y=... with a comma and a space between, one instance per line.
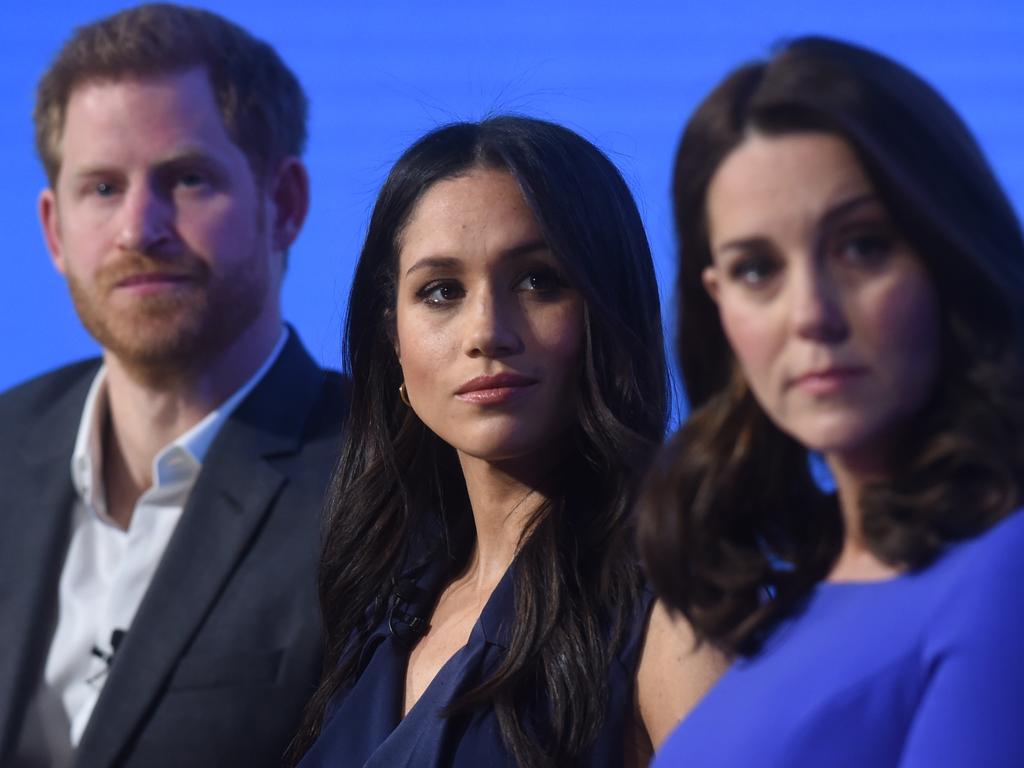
x=145, y=220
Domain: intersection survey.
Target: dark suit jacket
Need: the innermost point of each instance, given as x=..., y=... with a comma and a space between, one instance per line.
x=226, y=646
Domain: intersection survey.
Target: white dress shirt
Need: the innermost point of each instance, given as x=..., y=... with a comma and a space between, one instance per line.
x=107, y=569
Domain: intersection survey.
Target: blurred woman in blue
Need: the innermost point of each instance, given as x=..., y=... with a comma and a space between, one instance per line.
x=851, y=285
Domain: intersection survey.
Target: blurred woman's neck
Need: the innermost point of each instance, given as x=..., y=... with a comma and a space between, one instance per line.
x=856, y=561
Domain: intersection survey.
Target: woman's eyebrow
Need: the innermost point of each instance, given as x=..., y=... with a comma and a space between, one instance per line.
x=832, y=215
x=525, y=249
x=433, y=262
x=450, y=263
x=743, y=244
x=845, y=207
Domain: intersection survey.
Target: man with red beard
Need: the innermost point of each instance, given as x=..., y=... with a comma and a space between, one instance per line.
x=159, y=508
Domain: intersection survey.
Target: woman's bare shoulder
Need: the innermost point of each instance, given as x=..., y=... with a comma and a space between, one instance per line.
x=674, y=672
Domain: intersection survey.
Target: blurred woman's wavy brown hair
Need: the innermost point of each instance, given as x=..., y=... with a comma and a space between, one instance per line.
x=734, y=529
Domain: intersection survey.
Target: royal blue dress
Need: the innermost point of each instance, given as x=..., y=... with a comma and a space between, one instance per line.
x=364, y=726
x=922, y=670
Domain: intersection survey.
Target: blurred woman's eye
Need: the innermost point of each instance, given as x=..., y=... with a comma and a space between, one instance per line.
x=863, y=241
x=754, y=270
x=866, y=248
x=439, y=293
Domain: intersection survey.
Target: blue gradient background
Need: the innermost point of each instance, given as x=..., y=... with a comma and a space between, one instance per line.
x=626, y=76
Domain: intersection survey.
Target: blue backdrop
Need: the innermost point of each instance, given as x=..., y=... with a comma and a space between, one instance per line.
x=625, y=75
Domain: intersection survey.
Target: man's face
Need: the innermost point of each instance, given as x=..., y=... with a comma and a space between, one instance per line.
x=168, y=242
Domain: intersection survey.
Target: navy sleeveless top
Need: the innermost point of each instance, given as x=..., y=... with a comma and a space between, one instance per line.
x=363, y=725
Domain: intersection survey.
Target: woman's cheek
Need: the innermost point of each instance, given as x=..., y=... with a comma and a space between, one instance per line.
x=753, y=339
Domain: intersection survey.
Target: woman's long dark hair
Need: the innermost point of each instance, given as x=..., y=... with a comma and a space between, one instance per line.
x=731, y=512
x=577, y=575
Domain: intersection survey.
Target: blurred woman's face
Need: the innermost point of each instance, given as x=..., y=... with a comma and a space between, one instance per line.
x=831, y=315
x=489, y=332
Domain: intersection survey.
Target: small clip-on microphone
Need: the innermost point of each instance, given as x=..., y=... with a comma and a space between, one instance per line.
x=116, y=638
x=404, y=620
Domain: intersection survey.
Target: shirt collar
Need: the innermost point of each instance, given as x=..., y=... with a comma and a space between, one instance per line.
x=197, y=440
x=85, y=459
x=177, y=462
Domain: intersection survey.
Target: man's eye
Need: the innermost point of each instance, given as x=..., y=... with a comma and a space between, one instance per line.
x=192, y=179
x=104, y=189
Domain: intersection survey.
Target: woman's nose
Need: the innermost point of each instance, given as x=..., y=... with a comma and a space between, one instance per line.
x=492, y=328
x=817, y=308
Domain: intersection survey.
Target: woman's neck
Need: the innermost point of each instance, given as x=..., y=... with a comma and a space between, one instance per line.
x=856, y=561
x=504, y=499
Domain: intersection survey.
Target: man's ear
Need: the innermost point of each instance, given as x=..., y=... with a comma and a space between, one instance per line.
x=289, y=193
x=712, y=283
x=51, y=228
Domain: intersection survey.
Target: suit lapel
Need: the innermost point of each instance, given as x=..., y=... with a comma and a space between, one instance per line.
x=235, y=489
x=37, y=497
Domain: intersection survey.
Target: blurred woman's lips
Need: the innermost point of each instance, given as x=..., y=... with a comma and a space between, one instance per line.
x=827, y=381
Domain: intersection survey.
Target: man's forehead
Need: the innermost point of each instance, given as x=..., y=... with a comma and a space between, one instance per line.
x=192, y=78
x=143, y=110
x=144, y=124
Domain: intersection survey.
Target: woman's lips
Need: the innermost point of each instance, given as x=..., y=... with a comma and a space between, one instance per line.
x=494, y=389
x=827, y=381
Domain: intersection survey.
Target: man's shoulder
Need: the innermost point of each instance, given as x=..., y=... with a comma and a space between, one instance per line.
x=297, y=390
x=30, y=397
x=335, y=392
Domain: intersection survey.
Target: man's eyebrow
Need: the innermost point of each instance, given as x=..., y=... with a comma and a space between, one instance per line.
x=96, y=169
x=191, y=157
x=170, y=161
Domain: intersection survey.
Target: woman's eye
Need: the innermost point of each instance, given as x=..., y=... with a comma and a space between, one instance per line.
x=440, y=293
x=866, y=249
x=540, y=281
x=753, y=271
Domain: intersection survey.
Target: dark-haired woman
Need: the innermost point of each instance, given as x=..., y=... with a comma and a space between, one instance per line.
x=482, y=595
x=851, y=286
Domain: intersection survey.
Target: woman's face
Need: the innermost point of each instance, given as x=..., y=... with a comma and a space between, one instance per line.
x=489, y=333
x=831, y=315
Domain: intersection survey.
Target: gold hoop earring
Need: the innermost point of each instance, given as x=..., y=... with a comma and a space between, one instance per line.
x=404, y=394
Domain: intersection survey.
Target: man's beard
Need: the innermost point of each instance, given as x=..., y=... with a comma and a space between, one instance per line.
x=172, y=331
